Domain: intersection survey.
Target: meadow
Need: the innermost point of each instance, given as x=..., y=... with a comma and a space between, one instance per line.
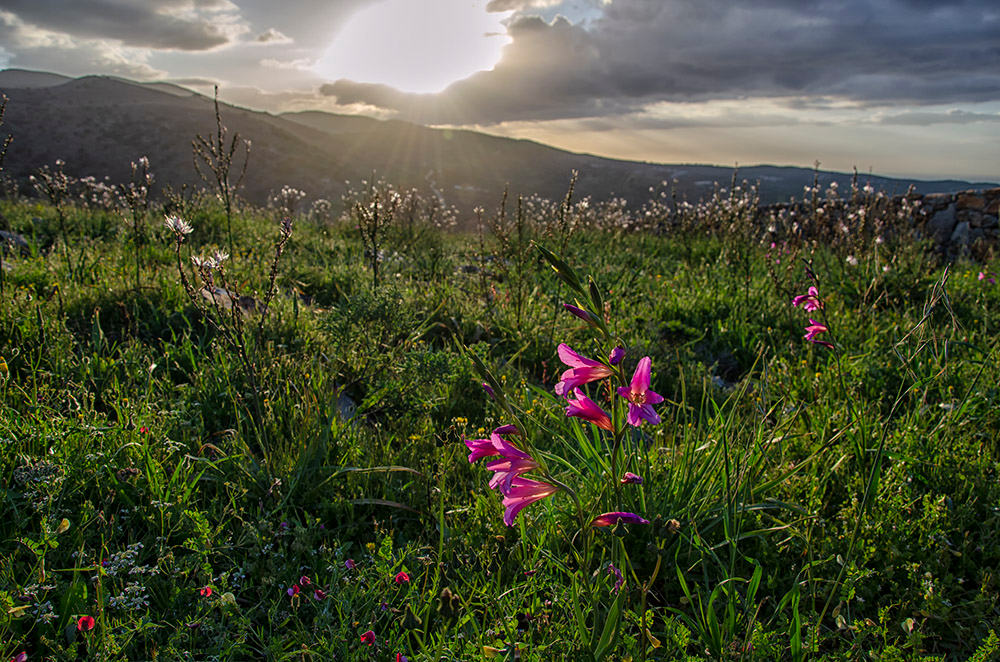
x=232, y=433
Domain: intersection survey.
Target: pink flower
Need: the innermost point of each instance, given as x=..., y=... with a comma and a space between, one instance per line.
x=813, y=330
x=293, y=590
x=616, y=356
x=631, y=479
x=401, y=658
x=507, y=469
x=368, y=638
x=522, y=492
x=611, y=519
x=489, y=390
x=304, y=580
x=402, y=578
x=640, y=398
x=810, y=301
x=350, y=564
x=988, y=276
x=617, y=574
x=319, y=594
x=205, y=592
x=585, y=408
x=495, y=445
x=582, y=370
x=20, y=657
x=85, y=623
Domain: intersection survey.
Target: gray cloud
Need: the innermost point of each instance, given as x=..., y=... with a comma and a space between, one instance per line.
x=188, y=25
x=868, y=52
x=954, y=116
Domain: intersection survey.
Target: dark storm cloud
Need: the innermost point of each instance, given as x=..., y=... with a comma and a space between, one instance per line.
x=640, y=51
x=188, y=25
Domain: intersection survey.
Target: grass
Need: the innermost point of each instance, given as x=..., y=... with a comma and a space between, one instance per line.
x=804, y=503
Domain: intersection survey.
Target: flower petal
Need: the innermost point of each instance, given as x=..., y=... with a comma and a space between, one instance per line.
x=612, y=518
x=640, y=379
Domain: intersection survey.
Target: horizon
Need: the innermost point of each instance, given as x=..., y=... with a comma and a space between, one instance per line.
x=777, y=84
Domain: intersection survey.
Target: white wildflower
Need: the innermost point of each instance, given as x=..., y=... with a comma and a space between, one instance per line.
x=178, y=225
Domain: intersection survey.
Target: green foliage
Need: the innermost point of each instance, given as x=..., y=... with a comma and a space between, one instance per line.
x=134, y=486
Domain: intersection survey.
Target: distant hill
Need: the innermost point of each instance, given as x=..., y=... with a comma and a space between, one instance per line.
x=99, y=124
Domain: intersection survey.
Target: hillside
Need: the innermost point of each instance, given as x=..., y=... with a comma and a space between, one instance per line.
x=99, y=124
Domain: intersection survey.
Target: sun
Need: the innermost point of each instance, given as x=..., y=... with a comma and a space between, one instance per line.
x=416, y=45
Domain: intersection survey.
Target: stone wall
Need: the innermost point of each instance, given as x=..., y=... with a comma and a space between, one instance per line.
x=955, y=222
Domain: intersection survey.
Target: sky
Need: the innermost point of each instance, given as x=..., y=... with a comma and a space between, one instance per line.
x=907, y=88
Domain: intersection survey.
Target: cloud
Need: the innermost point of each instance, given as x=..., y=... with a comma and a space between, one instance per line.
x=272, y=36
x=186, y=25
x=303, y=64
x=519, y=5
x=953, y=116
x=57, y=51
x=638, y=52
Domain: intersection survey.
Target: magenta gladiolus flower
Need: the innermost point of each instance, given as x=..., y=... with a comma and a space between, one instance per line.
x=507, y=469
x=513, y=461
x=402, y=578
x=616, y=356
x=640, y=398
x=489, y=390
x=20, y=657
x=585, y=408
x=480, y=448
x=631, y=479
x=85, y=623
x=319, y=594
x=988, y=276
x=813, y=330
x=495, y=445
x=368, y=638
x=293, y=590
x=304, y=580
x=810, y=301
x=401, y=658
x=350, y=564
x=610, y=519
x=582, y=370
x=522, y=492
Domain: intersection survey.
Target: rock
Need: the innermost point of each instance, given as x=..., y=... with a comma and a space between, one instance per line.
x=936, y=201
x=973, y=218
x=224, y=298
x=962, y=235
x=346, y=407
x=993, y=207
x=942, y=224
x=970, y=201
x=10, y=241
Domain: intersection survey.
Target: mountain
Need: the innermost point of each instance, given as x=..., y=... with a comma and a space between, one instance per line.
x=99, y=124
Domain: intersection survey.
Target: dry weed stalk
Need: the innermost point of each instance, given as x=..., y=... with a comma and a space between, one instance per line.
x=135, y=196
x=214, y=159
